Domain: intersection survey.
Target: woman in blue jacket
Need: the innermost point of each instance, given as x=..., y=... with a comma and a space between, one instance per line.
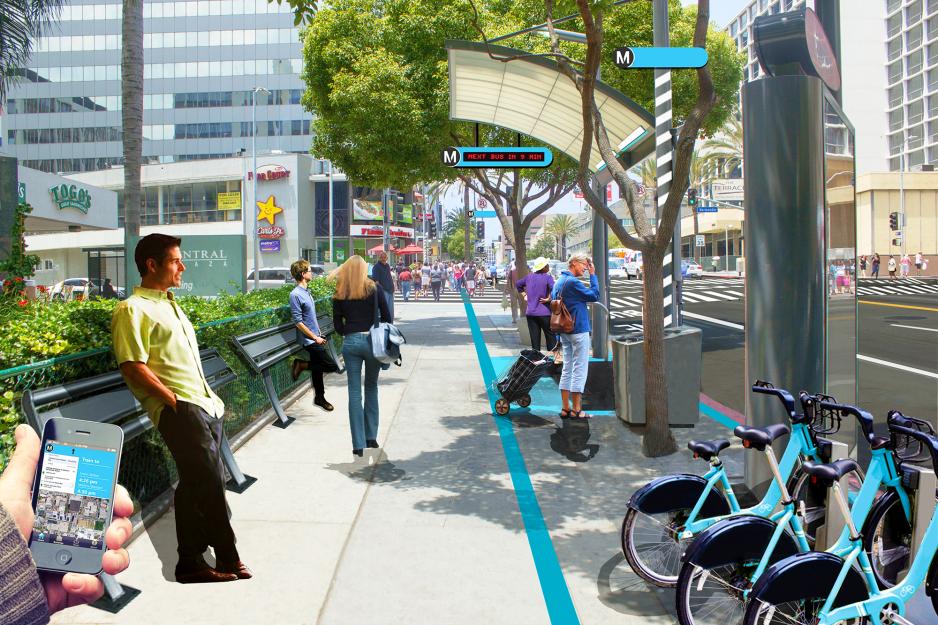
x=576, y=345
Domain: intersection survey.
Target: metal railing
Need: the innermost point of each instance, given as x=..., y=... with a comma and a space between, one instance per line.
x=147, y=469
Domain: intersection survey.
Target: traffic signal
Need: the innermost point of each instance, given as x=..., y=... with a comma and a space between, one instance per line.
x=894, y=221
x=692, y=197
x=432, y=229
x=480, y=229
x=897, y=239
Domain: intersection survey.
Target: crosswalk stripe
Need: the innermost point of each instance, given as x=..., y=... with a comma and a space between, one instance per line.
x=720, y=295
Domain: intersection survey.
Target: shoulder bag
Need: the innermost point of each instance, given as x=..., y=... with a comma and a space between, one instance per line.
x=385, y=338
x=561, y=321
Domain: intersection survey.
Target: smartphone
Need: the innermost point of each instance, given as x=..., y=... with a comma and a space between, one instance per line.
x=73, y=494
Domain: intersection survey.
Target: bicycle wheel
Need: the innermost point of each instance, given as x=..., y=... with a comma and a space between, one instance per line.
x=713, y=596
x=887, y=538
x=651, y=545
x=800, y=612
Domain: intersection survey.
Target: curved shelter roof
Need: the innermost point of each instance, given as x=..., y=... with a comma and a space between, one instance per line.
x=532, y=96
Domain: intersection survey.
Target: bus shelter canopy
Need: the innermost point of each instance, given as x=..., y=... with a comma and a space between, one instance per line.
x=532, y=96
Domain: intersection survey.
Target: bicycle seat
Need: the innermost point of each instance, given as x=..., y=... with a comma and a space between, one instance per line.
x=708, y=449
x=827, y=474
x=880, y=442
x=759, y=438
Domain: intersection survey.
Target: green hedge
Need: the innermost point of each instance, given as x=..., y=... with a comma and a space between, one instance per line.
x=71, y=340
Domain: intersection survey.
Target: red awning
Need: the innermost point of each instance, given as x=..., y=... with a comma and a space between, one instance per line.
x=378, y=249
x=410, y=249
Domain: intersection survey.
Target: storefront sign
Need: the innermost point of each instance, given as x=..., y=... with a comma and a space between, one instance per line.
x=367, y=210
x=407, y=213
x=70, y=196
x=270, y=232
x=378, y=231
x=230, y=201
x=272, y=172
x=212, y=263
x=270, y=245
x=268, y=210
x=728, y=190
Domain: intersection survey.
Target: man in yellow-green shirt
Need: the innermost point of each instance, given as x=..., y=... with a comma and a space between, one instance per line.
x=156, y=348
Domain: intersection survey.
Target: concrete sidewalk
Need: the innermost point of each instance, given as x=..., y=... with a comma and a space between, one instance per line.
x=427, y=529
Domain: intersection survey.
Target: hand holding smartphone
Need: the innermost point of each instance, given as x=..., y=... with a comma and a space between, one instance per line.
x=73, y=494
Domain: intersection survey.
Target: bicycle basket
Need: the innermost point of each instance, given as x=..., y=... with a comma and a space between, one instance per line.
x=826, y=421
x=908, y=448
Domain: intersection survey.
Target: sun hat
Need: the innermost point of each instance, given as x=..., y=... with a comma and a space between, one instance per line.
x=539, y=263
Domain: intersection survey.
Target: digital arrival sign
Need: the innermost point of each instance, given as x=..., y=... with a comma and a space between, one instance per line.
x=490, y=158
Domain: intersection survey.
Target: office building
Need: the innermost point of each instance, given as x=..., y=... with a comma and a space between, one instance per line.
x=202, y=59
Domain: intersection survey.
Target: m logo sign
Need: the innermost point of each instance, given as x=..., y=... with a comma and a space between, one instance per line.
x=624, y=57
x=450, y=156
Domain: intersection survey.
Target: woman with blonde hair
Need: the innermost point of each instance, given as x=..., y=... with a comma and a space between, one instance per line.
x=576, y=345
x=356, y=302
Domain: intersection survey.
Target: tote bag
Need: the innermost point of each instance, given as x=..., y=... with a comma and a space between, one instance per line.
x=385, y=339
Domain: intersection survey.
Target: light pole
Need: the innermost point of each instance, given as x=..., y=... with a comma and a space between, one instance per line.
x=905, y=146
x=256, y=242
x=600, y=237
x=331, y=252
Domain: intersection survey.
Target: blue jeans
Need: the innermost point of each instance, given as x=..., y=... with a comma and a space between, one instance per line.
x=576, y=360
x=363, y=420
x=405, y=289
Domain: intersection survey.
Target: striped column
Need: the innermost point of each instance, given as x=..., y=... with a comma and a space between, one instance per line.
x=663, y=155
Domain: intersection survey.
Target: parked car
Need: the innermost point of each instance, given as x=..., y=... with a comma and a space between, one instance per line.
x=318, y=271
x=81, y=288
x=269, y=278
x=690, y=269
x=502, y=272
x=633, y=266
x=617, y=268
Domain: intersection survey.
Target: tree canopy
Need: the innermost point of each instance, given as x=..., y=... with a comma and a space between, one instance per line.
x=378, y=83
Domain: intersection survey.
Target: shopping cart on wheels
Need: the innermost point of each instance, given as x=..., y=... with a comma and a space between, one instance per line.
x=515, y=386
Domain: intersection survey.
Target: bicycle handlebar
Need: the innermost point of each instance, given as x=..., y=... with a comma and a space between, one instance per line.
x=766, y=388
x=865, y=418
x=930, y=442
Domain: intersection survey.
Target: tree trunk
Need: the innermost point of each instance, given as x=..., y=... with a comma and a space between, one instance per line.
x=657, y=440
x=466, y=252
x=563, y=247
x=132, y=127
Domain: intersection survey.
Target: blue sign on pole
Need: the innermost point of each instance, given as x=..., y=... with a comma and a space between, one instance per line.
x=484, y=214
x=646, y=58
x=707, y=209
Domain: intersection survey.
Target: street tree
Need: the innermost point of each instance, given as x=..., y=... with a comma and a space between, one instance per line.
x=377, y=82
x=562, y=226
x=21, y=26
x=708, y=113
x=131, y=125
x=546, y=245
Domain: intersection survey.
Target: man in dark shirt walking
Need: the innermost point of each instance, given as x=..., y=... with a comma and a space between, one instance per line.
x=381, y=273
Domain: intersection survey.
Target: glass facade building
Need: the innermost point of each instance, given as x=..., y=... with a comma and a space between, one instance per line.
x=202, y=59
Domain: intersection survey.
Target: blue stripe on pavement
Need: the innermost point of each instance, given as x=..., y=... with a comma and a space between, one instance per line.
x=716, y=415
x=553, y=586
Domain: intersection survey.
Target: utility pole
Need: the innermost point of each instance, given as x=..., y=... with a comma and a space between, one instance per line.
x=466, y=224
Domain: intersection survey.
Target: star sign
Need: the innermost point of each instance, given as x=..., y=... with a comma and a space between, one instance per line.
x=268, y=210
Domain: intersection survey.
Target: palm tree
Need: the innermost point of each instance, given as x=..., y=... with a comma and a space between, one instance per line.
x=21, y=24
x=725, y=150
x=132, y=124
x=560, y=226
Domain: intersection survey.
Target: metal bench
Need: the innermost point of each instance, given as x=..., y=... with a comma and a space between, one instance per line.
x=263, y=349
x=105, y=398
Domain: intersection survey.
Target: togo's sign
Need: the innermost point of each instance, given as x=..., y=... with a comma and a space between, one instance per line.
x=71, y=196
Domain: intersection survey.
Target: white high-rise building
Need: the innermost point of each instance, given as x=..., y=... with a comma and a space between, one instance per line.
x=884, y=54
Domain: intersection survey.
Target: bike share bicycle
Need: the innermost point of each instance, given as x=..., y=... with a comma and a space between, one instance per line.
x=664, y=515
x=723, y=561
x=827, y=589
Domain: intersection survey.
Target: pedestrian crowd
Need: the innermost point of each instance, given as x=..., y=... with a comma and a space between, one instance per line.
x=897, y=268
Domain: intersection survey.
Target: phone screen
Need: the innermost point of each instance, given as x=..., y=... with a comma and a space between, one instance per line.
x=73, y=502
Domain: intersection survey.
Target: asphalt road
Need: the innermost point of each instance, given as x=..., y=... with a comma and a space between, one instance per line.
x=898, y=341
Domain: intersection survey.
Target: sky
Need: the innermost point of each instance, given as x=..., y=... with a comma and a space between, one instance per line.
x=722, y=11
